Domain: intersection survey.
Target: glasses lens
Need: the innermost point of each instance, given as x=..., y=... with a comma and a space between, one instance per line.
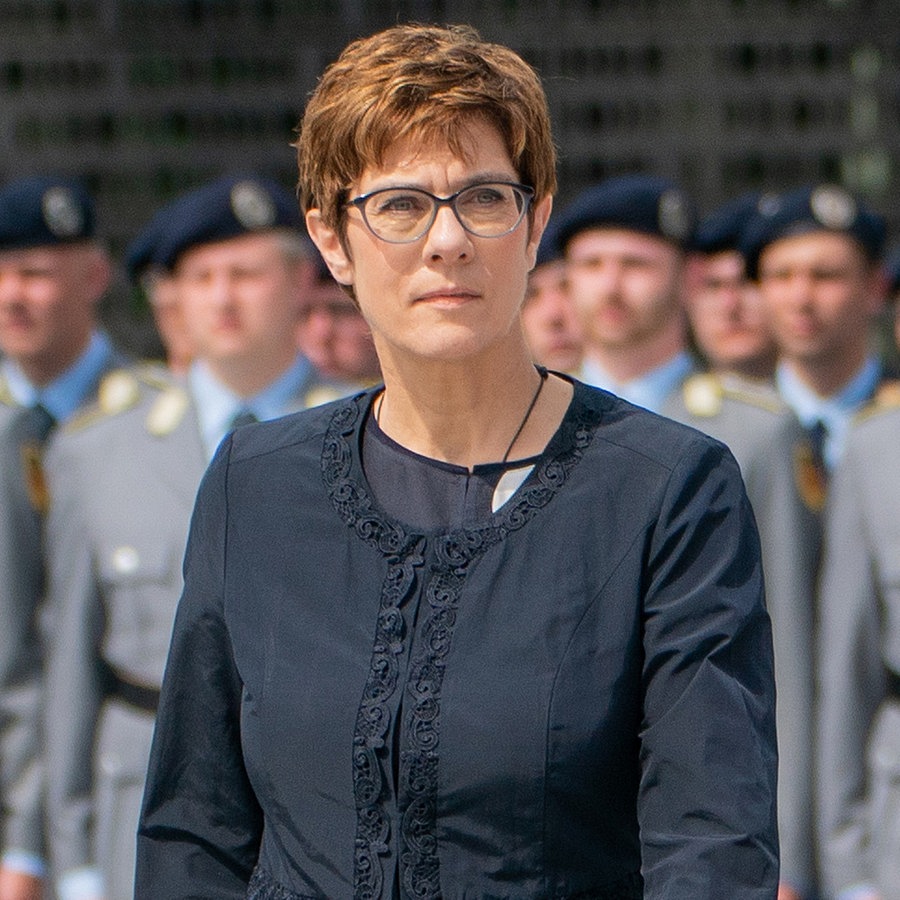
x=398, y=214
x=401, y=215
x=489, y=210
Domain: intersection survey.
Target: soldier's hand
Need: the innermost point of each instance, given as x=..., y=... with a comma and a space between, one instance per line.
x=19, y=885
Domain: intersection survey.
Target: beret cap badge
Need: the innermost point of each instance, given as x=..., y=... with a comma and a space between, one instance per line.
x=62, y=212
x=674, y=215
x=769, y=205
x=252, y=206
x=833, y=207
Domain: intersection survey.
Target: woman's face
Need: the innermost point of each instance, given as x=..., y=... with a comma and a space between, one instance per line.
x=448, y=295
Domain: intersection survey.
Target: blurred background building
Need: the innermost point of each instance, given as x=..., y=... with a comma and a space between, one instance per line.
x=146, y=98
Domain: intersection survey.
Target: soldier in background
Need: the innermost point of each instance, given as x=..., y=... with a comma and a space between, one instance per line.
x=552, y=327
x=816, y=254
x=158, y=286
x=858, y=747
x=736, y=401
x=724, y=308
x=332, y=333
x=624, y=243
x=53, y=273
x=122, y=479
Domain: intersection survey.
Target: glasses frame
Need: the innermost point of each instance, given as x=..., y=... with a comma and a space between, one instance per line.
x=439, y=202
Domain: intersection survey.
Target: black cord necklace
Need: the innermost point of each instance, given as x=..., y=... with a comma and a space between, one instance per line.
x=542, y=372
x=543, y=377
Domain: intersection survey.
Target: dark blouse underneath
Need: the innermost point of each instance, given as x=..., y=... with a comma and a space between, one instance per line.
x=428, y=493
x=570, y=697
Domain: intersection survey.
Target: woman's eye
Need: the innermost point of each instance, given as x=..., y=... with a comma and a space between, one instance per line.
x=485, y=197
x=400, y=204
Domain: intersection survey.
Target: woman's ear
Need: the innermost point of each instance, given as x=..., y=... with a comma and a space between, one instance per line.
x=539, y=218
x=331, y=247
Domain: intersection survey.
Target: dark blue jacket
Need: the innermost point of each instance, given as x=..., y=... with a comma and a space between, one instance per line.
x=573, y=698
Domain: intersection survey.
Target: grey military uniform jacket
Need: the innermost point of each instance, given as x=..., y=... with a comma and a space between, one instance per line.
x=22, y=498
x=122, y=483
x=20, y=654
x=859, y=661
x=770, y=447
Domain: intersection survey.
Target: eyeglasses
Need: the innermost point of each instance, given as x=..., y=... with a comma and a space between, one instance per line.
x=402, y=215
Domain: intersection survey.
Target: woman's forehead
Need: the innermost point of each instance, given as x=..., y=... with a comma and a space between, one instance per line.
x=475, y=146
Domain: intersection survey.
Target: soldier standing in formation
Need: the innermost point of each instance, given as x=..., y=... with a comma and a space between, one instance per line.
x=624, y=242
x=724, y=308
x=123, y=478
x=53, y=273
x=815, y=253
x=858, y=746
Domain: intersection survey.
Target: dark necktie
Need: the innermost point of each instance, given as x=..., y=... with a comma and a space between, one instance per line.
x=812, y=473
x=243, y=417
x=818, y=435
x=32, y=426
x=34, y=423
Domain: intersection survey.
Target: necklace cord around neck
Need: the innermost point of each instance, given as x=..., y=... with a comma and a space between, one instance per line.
x=542, y=372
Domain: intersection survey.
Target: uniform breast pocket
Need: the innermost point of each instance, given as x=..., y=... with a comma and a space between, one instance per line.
x=141, y=584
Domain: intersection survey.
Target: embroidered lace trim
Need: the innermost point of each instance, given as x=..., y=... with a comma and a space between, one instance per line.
x=404, y=553
x=263, y=887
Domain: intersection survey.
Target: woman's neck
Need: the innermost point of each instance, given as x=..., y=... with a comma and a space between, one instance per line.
x=469, y=412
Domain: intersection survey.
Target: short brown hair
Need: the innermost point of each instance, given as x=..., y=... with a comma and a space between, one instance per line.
x=421, y=80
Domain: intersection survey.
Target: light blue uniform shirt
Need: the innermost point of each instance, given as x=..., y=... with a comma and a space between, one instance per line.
x=67, y=392
x=217, y=405
x=835, y=411
x=651, y=390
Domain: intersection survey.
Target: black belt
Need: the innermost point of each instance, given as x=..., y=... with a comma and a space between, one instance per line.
x=119, y=686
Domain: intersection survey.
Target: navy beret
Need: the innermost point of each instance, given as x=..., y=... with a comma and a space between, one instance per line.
x=141, y=253
x=645, y=203
x=43, y=211
x=226, y=208
x=722, y=229
x=824, y=207
x=549, y=249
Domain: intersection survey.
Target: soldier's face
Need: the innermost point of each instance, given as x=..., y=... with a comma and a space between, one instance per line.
x=241, y=298
x=552, y=328
x=820, y=293
x=626, y=286
x=334, y=336
x=725, y=311
x=47, y=301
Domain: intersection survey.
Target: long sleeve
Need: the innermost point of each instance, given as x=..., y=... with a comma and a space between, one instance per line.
x=707, y=795
x=852, y=682
x=200, y=825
